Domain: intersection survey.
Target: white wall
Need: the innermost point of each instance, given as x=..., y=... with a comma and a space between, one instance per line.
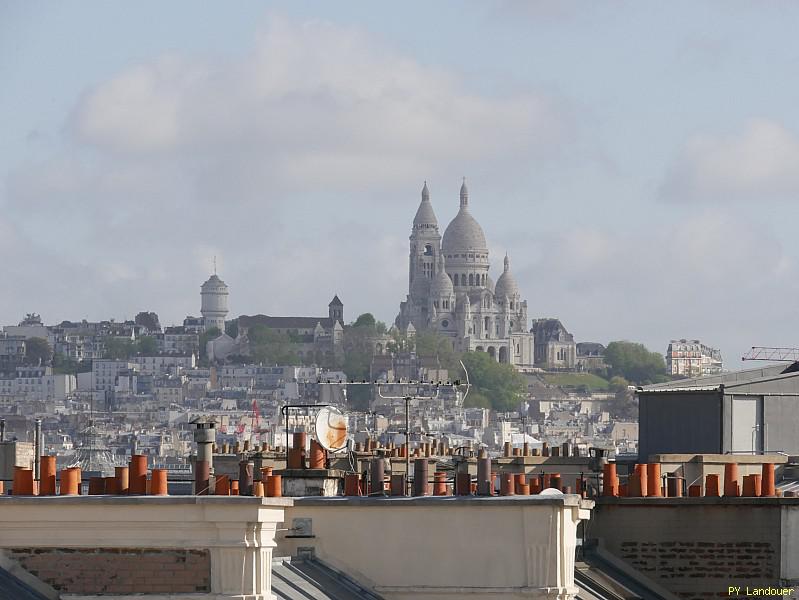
x=436, y=548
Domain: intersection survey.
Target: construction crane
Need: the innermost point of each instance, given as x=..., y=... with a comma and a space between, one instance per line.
x=256, y=420
x=772, y=354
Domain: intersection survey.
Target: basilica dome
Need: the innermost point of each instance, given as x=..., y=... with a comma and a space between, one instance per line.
x=506, y=284
x=442, y=284
x=464, y=233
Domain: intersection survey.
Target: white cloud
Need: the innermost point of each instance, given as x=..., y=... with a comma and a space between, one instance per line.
x=717, y=277
x=280, y=162
x=756, y=164
x=313, y=102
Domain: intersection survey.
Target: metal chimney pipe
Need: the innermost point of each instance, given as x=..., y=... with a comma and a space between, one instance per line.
x=407, y=443
x=37, y=449
x=484, y=476
x=205, y=436
x=376, y=476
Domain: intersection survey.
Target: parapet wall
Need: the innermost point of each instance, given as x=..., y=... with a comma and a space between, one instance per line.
x=203, y=546
x=430, y=548
x=698, y=547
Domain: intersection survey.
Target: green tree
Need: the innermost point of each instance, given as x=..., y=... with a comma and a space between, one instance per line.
x=64, y=365
x=499, y=385
x=635, y=363
x=232, y=328
x=148, y=320
x=365, y=320
x=617, y=384
x=400, y=342
x=439, y=346
x=37, y=351
x=270, y=347
x=359, y=347
x=624, y=405
x=118, y=348
x=147, y=346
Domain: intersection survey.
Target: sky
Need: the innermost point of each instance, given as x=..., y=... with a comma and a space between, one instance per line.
x=638, y=161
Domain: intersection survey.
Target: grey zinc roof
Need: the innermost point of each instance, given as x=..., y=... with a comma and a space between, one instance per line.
x=733, y=379
x=602, y=576
x=311, y=579
x=285, y=322
x=12, y=588
x=214, y=281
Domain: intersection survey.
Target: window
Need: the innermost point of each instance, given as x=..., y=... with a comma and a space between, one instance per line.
x=444, y=324
x=428, y=250
x=456, y=280
x=471, y=279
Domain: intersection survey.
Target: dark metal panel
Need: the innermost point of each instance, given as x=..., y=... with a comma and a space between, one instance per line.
x=679, y=422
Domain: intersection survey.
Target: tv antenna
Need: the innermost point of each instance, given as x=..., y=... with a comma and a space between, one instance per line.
x=407, y=398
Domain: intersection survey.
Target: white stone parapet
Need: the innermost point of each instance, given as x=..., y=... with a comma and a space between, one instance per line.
x=439, y=548
x=238, y=533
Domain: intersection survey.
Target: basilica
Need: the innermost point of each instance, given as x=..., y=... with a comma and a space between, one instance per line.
x=450, y=291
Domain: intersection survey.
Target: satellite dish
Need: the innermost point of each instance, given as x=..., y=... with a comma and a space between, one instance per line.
x=331, y=429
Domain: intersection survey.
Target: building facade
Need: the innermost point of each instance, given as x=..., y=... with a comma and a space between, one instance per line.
x=451, y=292
x=318, y=340
x=692, y=358
x=37, y=384
x=554, y=346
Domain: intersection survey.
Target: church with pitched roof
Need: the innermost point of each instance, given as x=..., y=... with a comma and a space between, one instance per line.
x=451, y=292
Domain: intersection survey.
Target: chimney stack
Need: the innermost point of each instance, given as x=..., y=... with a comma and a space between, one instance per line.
x=205, y=437
x=37, y=449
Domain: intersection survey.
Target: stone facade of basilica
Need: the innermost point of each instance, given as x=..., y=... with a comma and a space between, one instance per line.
x=451, y=292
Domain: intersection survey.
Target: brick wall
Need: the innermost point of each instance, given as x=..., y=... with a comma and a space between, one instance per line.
x=685, y=561
x=118, y=571
x=697, y=548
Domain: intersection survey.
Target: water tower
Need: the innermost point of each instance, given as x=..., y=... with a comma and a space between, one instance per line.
x=214, y=293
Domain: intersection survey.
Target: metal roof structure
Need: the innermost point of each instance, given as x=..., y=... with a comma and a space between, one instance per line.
x=93, y=456
x=601, y=576
x=12, y=588
x=735, y=379
x=310, y=579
